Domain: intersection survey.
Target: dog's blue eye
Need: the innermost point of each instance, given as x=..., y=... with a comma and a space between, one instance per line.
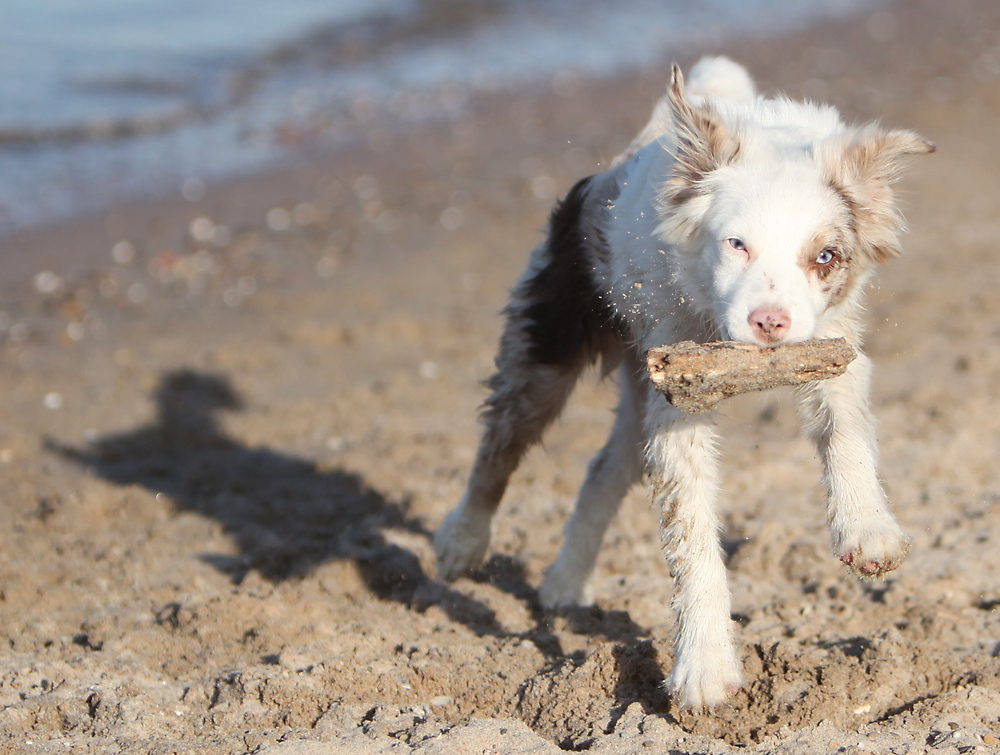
x=825, y=257
x=737, y=244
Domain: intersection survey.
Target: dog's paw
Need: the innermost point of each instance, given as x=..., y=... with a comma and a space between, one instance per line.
x=460, y=543
x=874, y=552
x=707, y=681
x=564, y=587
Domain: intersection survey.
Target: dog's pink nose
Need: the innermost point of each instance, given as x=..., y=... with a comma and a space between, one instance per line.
x=770, y=325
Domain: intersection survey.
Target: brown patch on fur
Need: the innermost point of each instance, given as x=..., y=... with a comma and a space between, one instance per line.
x=704, y=144
x=837, y=276
x=862, y=168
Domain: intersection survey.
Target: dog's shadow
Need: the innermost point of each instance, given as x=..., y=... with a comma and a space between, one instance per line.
x=287, y=516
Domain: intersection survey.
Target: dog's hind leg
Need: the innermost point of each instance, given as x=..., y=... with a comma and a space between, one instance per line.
x=557, y=324
x=612, y=472
x=527, y=397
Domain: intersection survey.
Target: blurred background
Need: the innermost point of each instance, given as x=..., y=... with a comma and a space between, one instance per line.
x=112, y=99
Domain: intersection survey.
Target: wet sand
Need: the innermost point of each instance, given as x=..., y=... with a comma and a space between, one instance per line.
x=225, y=445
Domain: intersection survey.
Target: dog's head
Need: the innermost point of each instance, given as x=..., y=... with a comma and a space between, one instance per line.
x=779, y=221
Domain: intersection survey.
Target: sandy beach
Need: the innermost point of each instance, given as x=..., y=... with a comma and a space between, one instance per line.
x=229, y=428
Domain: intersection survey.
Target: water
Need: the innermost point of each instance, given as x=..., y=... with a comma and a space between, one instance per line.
x=106, y=99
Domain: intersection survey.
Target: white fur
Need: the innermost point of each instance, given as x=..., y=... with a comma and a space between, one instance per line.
x=730, y=216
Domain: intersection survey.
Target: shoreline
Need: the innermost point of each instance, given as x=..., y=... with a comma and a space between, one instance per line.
x=244, y=111
x=82, y=244
x=162, y=221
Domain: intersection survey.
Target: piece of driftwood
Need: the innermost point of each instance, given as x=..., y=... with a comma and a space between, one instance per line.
x=695, y=377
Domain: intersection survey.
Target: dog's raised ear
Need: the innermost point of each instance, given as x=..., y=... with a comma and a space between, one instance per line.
x=862, y=170
x=703, y=143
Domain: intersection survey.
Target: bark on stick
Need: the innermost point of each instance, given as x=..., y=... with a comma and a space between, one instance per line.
x=695, y=377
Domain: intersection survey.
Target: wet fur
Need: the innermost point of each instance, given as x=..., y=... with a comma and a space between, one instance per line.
x=644, y=255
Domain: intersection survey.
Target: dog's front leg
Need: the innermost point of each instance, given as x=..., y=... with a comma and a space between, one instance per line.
x=863, y=532
x=682, y=461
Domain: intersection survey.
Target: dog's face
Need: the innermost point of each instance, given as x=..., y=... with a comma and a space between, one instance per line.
x=779, y=235
x=774, y=251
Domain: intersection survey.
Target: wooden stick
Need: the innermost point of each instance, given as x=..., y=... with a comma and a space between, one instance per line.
x=695, y=377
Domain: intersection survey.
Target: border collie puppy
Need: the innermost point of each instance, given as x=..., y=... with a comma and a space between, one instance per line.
x=731, y=216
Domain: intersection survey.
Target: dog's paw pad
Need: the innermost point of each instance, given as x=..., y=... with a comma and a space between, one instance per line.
x=873, y=568
x=874, y=551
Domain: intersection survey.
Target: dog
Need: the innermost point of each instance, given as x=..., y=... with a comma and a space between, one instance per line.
x=731, y=216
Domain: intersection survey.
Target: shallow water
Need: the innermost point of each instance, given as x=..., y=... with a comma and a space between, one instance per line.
x=123, y=98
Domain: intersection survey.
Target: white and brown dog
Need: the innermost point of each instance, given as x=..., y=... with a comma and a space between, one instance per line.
x=731, y=216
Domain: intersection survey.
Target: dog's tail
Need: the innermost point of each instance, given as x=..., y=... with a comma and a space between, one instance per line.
x=720, y=77
x=710, y=77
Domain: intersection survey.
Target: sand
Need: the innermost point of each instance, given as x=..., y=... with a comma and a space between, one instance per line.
x=224, y=451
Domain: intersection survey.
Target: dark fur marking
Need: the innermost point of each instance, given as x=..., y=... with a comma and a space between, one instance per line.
x=567, y=317
x=856, y=220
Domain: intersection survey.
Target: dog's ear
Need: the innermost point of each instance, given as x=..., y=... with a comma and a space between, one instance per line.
x=862, y=170
x=703, y=143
